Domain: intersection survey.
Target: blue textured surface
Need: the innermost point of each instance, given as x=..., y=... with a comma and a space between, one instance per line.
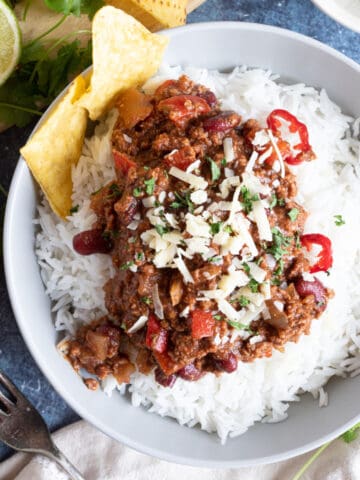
x=15, y=359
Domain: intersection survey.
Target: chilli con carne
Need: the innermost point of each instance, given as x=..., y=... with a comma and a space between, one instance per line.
x=206, y=238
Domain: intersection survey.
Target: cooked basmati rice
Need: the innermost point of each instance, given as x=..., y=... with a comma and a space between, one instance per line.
x=258, y=391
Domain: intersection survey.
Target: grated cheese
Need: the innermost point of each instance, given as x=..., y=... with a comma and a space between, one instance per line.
x=198, y=197
x=277, y=151
x=197, y=226
x=262, y=221
x=193, y=180
x=229, y=152
x=140, y=322
x=179, y=262
x=158, y=307
x=251, y=163
x=227, y=184
x=256, y=272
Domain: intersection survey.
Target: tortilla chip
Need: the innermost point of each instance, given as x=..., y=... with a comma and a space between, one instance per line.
x=125, y=54
x=154, y=14
x=57, y=144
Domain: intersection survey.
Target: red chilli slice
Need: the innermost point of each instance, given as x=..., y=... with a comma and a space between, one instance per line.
x=325, y=258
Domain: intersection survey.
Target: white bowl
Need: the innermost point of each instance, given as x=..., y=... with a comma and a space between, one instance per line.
x=212, y=45
x=346, y=12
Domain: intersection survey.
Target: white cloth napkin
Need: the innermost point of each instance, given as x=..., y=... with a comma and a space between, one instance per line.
x=100, y=458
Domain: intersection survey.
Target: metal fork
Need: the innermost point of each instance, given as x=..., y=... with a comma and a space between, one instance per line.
x=23, y=428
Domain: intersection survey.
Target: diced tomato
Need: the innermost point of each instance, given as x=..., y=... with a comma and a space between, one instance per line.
x=325, y=258
x=180, y=158
x=161, y=88
x=202, y=324
x=182, y=108
x=166, y=363
x=122, y=162
x=156, y=336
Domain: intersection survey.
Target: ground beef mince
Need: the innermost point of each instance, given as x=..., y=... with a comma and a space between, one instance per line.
x=206, y=237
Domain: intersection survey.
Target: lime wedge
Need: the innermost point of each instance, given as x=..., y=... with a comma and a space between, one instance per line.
x=10, y=41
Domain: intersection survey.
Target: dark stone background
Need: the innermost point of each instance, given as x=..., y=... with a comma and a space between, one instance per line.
x=15, y=359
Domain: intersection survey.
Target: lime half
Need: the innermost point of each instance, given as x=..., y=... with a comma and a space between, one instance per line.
x=10, y=41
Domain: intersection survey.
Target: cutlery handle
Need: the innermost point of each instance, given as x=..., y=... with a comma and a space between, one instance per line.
x=56, y=455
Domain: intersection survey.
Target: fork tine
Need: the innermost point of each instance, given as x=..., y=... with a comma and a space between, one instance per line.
x=4, y=380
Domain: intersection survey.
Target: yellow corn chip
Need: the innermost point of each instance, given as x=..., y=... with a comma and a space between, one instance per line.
x=154, y=14
x=57, y=144
x=125, y=54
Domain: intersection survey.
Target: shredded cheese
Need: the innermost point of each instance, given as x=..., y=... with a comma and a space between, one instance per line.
x=193, y=180
x=140, y=322
x=262, y=221
x=277, y=151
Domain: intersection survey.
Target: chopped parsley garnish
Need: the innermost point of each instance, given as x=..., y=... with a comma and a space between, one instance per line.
x=339, y=220
x=146, y=300
x=276, y=281
x=239, y=326
x=351, y=434
x=223, y=162
x=215, y=227
x=293, y=214
x=127, y=265
x=140, y=256
x=246, y=268
x=279, y=269
x=218, y=317
x=276, y=201
x=74, y=209
x=254, y=285
x=150, y=186
x=215, y=170
x=228, y=229
x=248, y=199
x=137, y=192
x=214, y=259
x=297, y=240
x=279, y=244
x=161, y=230
x=114, y=191
x=183, y=201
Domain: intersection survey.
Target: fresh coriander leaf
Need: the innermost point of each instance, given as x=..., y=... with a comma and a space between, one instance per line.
x=214, y=259
x=183, y=201
x=273, y=201
x=228, y=229
x=254, y=285
x=75, y=7
x=246, y=268
x=215, y=227
x=339, y=220
x=161, y=230
x=146, y=300
x=281, y=202
x=114, y=191
x=127, y=265
x=297, y=240
x=351, y=434
x=215, y=170
x=137, y=192
x=217, y=317
x=248, y=199
x=276, y=281
x=239, y=326
x=223, y=162
x=243, y=301
x=293, y=214
x=140, y=256
x=74, y=209
x=279, y=269
x=279, y=244
x=175, y=205
x=150, y=185
x=32, y=52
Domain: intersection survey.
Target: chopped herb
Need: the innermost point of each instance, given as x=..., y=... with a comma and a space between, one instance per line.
x=276, y=281
x=74, y=209
x=123, y=326
x=218, y=317
x=215, y=227
x=223, y=162
x=114, y=191
x=228, y=229
x=254, y=285
x=279, y=244
x=140, y=256
x=150, y=186
x=146, y=300
x=339, y=220
x=97, y=191
x=239, y=326
x=161, y=230
x=214, y=259
x=183, y=201
x=274, y=200
x=297, y=240
x=137, y=192
x=246, y=268
x=279, y=268
x=351, y=434
x=243, y=301
x=127, y=265
x=248, y=199
x=157, y=203
x=293, y=214
x=146, y=168
x=215, y=170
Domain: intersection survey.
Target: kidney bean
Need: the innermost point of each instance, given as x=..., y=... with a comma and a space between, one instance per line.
x=190, y=373
x=228, y=364
x=91, y=241
x=209, y=97
x=223, y=122
x=316, y=288
x=164, y=380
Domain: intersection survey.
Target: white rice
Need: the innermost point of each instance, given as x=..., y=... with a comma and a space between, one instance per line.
x=262, y=390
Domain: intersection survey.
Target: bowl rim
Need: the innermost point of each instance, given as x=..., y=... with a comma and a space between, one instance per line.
x=50, y=374
x=339, y=14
